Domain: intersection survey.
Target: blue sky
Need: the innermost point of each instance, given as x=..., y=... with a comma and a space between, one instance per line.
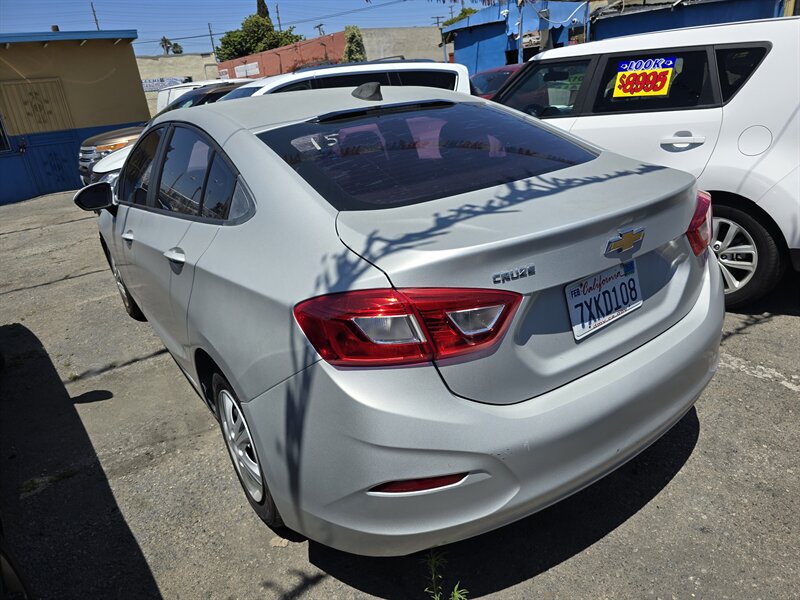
x=183, y=18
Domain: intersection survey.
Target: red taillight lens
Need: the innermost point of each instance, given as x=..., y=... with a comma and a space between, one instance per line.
x=418, y=485
x=700, y=228
x=406, y=326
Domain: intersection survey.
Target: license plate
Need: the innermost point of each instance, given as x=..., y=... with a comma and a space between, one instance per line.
x=603, y=298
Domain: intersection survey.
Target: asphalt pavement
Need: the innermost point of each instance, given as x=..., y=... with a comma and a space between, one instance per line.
x=114, y=481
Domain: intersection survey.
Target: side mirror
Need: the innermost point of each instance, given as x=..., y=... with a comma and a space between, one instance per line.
x=96, y=197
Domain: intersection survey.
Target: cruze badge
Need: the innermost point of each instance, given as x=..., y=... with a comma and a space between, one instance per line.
x=629, y=240
x=513, y=274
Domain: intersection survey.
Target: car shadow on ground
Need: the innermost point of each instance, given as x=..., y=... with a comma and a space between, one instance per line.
x=522, y=550
x=783, y=300
x=61, y=520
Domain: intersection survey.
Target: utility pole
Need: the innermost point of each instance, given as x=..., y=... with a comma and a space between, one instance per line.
x=441, y=34
x=452, y=11
x=320, y=29
x=213, y=45
x=278, y=14
x=94, y=14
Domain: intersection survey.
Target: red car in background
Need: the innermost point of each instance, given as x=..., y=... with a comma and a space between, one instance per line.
x=487, y=82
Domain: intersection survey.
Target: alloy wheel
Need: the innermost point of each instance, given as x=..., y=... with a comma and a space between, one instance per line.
x=240, y=445
x=736, y=253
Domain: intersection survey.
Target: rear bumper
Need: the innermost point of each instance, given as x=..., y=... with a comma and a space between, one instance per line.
x=326, y=436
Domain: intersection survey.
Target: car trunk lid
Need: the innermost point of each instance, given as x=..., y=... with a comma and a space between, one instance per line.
x=538, y=236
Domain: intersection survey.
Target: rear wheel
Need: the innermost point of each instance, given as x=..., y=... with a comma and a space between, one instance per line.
x=131, y=307
x=241, y=449
x=748, y=256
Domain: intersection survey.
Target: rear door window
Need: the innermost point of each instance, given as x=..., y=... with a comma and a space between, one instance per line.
x=138, y=173
x=735, y=66
x=395, y=155
x=655, y=80
x=548, y=90
x=352, y=79
x=437, y=79
x=183, y=176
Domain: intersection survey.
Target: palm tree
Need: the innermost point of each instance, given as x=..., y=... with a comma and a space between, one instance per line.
x=165, y=44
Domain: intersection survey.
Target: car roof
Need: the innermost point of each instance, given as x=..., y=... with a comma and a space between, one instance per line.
x=742, y=31
x=259, y=113
x=401, y=65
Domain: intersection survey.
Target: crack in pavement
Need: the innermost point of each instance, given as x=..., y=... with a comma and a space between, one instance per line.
x=741, y=365
x=38, y=285
x=112, y=366
x=2, y=233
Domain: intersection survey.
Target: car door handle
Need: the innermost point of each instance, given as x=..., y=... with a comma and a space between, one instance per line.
x=128, y=236
x=175, y=255
x=671, y=141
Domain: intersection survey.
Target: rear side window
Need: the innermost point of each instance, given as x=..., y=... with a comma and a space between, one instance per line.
x=399, y=155
x=548, y=90
x=353, y=79
x=136, y=178
x=657, y=80
x=436, y=79
x=294, y=87
x=185, y=164
x=219, y=189
x=735, y=67
x=240, y=92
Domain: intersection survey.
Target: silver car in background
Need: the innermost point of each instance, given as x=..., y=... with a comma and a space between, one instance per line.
x=417, y=315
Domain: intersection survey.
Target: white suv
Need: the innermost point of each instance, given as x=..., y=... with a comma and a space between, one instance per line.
x=449, y=76
x=720, y=102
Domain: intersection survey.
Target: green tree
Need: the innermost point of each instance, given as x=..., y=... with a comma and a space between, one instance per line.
x=261, y=8
x=465, y=12
x=176, y=48
x=354, y=50
x=165, y=44
x=256, y=35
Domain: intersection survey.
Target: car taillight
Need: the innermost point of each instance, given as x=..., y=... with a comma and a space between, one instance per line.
x=419, y=485
x=406, y=326
x=700, y=228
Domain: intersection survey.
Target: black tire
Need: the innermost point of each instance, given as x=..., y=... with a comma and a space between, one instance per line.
x=265, y=506
x=769, y=266
x=133, y=310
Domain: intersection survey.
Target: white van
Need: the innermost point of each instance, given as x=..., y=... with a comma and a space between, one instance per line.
x=720, y=102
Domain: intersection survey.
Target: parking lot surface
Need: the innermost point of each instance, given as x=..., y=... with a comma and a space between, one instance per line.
x=114, y=481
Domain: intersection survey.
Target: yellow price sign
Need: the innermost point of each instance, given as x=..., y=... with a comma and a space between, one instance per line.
x=650, y=77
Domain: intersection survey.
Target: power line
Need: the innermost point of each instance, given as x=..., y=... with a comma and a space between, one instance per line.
x=296, y=22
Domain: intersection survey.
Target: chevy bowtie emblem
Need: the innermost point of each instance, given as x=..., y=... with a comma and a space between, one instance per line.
x=627, y=241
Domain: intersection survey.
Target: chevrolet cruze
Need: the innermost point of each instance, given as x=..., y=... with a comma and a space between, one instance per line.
x=416, y=314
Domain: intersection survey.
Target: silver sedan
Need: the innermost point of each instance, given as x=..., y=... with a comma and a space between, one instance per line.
x=417, y=315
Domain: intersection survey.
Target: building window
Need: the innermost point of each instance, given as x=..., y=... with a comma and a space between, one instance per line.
x=5, y=143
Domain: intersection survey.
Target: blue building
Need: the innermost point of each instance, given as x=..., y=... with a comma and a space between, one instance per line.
x=658, y=16
x=56, y=89
x=493, y=36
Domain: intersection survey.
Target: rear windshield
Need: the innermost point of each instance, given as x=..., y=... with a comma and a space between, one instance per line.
x=396, y=156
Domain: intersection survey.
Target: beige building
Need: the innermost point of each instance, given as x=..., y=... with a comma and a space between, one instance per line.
x=410, y=42
x=58, y=88
x=158, y=72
